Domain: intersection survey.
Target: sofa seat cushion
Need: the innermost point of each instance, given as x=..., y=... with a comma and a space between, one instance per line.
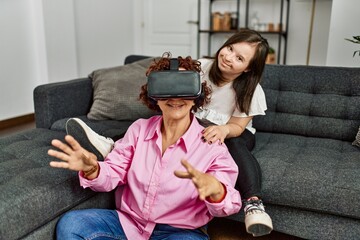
x=33, y=193
x=316, y=174
x=107, y=128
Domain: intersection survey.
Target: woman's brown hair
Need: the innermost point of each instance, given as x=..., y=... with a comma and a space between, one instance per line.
x=163, y=63
x=245, y=84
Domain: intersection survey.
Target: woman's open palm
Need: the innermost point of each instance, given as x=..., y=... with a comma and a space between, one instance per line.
x=73, y=156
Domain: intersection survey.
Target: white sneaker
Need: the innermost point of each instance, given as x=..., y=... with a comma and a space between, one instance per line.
x=257, y=221
x=89, y=139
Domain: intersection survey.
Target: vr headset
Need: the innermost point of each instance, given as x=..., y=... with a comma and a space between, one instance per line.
x=174, y=83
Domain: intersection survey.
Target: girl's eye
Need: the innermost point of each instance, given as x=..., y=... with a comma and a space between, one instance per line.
x=239, y=58
x=230, y=47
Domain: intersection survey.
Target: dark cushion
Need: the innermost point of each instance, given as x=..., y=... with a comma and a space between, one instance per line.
x=33, y=193
x=311, y=101
x=316, y=174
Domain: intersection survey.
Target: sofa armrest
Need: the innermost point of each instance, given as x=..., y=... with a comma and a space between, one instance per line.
x=55, y=101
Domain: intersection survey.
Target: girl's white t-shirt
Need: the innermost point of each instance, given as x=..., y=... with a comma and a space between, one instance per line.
x=223, y=102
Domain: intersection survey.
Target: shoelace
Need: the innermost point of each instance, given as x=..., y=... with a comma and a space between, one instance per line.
x=253, y=205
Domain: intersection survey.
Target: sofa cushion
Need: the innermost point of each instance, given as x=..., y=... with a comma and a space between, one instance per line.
x=311, y=101
x=116, y=92
x=356, y=142
x=316, y=174
x=33, y=193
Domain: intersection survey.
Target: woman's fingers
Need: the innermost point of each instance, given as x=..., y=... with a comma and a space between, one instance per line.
x=189, y=168
x=189, y=173
x=62, y=146
x=182, y=174
x=58, y=155
x=59, y=164
x=73, y=143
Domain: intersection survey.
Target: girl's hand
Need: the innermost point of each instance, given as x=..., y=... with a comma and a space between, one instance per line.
x=214, y=133
x=206, y=184
x=73, y=156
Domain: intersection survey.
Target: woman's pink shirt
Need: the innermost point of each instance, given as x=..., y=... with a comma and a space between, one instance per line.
x=150, y=191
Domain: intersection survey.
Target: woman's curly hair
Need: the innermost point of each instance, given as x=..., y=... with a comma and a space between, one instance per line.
x=163, y=63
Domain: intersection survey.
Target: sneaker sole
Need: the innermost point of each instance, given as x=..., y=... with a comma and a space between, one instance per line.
x=258, y=225
x=74, y=128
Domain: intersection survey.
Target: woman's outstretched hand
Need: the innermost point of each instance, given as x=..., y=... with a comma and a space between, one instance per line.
x=206, y=184
x=73, y=156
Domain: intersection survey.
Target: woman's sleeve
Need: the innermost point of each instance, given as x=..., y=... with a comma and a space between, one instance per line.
x=225, y=170
x=113, y=169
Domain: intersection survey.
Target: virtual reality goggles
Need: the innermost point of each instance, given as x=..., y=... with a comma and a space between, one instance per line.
x=174, y=83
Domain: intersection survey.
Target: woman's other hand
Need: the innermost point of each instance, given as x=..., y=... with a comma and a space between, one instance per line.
x=206, y=184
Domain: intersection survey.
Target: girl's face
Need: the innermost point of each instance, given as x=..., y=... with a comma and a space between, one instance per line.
x=175, y=108
x=234, y=59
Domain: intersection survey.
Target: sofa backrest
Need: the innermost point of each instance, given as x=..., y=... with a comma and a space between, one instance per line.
x=311, y=101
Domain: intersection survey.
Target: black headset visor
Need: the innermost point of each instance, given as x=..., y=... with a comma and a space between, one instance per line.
x=173, y=84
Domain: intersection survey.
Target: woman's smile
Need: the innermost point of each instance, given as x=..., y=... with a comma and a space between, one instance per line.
x=175, y=105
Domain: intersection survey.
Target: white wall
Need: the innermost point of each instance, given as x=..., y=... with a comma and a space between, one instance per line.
x=19, y=62
x=45, y=41
x=344, y=23
x=60, y=39
x=104, y=32
x=299, y=38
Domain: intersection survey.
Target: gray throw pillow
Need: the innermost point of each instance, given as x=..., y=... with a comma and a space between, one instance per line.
x=116, y=92
x=357, y=139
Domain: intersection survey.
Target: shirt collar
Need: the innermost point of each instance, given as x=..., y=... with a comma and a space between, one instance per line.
x=186, y=140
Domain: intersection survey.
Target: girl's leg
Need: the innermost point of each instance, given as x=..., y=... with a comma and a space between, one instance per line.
x=167, y=232
x=257, y=221
x=249, y=180
x=90, y=224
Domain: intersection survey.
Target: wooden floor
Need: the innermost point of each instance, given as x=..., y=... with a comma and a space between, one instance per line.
x=219, y=229
x=12, y=130
x=226, y=229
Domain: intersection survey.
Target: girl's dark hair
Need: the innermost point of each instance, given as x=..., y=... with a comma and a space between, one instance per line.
x=163, y=63
x=245, y=84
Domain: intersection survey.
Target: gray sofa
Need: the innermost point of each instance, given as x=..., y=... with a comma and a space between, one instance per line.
x=311, y=183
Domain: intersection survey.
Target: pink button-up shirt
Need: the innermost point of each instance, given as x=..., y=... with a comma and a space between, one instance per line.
x=151, y=193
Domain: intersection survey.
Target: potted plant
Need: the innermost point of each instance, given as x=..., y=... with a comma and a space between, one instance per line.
x=271, y=57
x=356, y=39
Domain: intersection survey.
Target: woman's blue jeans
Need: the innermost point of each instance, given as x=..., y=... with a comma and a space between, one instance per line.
x=105, y=224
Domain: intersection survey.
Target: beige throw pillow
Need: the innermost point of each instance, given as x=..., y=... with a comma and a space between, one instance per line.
x=116, y=92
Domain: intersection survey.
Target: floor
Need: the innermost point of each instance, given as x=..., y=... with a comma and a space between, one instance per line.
x=219, y=228
x=226, y=229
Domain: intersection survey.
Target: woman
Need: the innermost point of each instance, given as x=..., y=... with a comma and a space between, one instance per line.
x=156, y=200
x=234, y=75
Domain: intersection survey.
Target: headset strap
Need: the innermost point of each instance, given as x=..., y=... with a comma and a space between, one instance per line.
x=174, y=64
